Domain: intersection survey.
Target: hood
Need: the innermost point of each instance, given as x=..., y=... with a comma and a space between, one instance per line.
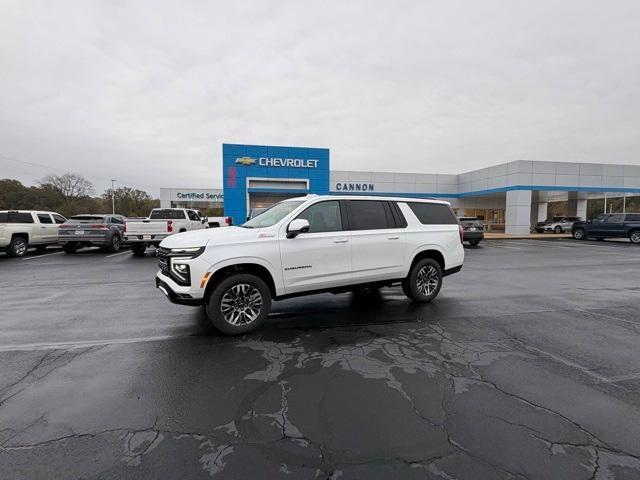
x=200, y=238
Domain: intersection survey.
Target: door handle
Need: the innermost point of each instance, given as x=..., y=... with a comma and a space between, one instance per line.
x=343, y=240
x=393, y=238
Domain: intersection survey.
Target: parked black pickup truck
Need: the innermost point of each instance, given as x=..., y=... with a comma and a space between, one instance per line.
x=609, y=225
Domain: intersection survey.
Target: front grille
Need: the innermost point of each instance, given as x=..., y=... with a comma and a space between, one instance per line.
x=163, y=259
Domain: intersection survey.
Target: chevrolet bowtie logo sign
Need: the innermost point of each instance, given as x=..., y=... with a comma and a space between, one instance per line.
x=245, y=161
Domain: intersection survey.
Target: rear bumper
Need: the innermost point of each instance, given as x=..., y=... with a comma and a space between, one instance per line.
x=84, y=240
x=469, y=236
x=176, y=297
x=152, y=240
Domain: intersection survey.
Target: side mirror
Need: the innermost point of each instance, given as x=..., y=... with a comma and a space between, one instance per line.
x=296, y=227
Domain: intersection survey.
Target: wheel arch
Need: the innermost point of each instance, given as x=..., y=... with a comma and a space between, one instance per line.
x=24, y=235
x=241, y=266
x=428, y=252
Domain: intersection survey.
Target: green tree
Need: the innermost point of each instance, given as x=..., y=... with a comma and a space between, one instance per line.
x=130, y=202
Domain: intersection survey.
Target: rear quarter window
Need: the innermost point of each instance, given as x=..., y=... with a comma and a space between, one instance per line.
x=433, y=213
x=167, y=215
x=15, y=217
x=634, y=217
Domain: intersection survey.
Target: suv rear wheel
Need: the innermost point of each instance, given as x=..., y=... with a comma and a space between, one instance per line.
x=424, y=281
x=114, y=246
x=239, y=304
x=18, y=247
x=70, y=248
x=635, y=236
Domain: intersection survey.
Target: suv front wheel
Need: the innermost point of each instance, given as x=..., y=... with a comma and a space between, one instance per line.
x=578, y=233
x=424, y=281
x=239, y=304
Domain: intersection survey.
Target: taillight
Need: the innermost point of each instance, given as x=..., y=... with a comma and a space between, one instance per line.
x=99, y=226
x=461, y=233
x=170, y=226
x=228, y=220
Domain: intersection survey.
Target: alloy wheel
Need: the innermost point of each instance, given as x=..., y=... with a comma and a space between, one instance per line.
x=20, y=247
x=635, y=237
x=427, y=280
x=241, y=304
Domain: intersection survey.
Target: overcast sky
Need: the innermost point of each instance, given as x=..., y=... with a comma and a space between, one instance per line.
x=147, y=91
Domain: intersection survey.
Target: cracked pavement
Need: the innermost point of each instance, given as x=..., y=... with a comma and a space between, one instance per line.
x=526, y=366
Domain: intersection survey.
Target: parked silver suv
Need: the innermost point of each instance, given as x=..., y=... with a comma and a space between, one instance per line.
x=557, y=224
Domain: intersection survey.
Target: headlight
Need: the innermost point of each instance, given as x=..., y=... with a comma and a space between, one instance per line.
x=178, y=259
x=191, y=252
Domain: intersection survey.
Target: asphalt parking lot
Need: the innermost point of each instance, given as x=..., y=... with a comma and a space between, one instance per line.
x=526, y=366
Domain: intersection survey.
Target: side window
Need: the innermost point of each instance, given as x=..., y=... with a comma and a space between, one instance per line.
x=633, y=217
x=193, y=215
x=58, y=218
x=616, y=218
x=433, y=213
x=15, y=217
x=367, y=215
x=117, y=220
x=44, y=218
x=323, y=217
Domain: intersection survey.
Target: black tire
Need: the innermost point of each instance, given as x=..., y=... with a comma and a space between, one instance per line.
x=579, y=233
x=70, y=249
x=433, y=272
x=18, y=247
x=635, y=237
x=558, y=229
x=115, y=244
x=228, y=289
x=138, y=249
x=539, y=230
x=474, y=242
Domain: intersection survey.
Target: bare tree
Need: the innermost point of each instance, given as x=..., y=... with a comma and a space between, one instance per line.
x=70, y=186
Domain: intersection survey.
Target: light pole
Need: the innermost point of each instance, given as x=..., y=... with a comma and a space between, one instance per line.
x=113, y=197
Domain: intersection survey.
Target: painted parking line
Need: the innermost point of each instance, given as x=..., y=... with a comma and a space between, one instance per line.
x=26, y=347
x=40, y=256
x=503, y=246
x=119, y=253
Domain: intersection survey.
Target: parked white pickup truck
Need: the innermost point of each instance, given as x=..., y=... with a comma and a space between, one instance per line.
x=21, y=229
x=215, y=222
x=161, y=223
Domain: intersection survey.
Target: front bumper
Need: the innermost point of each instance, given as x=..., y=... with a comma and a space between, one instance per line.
x=163, y=284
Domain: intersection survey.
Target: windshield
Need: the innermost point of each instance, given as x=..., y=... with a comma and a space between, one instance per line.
x=272, y=215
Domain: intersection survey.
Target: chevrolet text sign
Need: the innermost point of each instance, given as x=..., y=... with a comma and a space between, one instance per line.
x=278, y=162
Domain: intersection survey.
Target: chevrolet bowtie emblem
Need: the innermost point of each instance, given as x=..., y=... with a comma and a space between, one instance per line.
x=245, y=161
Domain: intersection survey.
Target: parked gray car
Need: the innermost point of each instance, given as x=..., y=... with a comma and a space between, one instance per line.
x=104, y=231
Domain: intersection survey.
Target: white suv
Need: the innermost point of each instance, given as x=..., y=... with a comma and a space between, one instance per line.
x=308, y=245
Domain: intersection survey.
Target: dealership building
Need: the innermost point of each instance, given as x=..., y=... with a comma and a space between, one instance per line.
x=509, y=197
